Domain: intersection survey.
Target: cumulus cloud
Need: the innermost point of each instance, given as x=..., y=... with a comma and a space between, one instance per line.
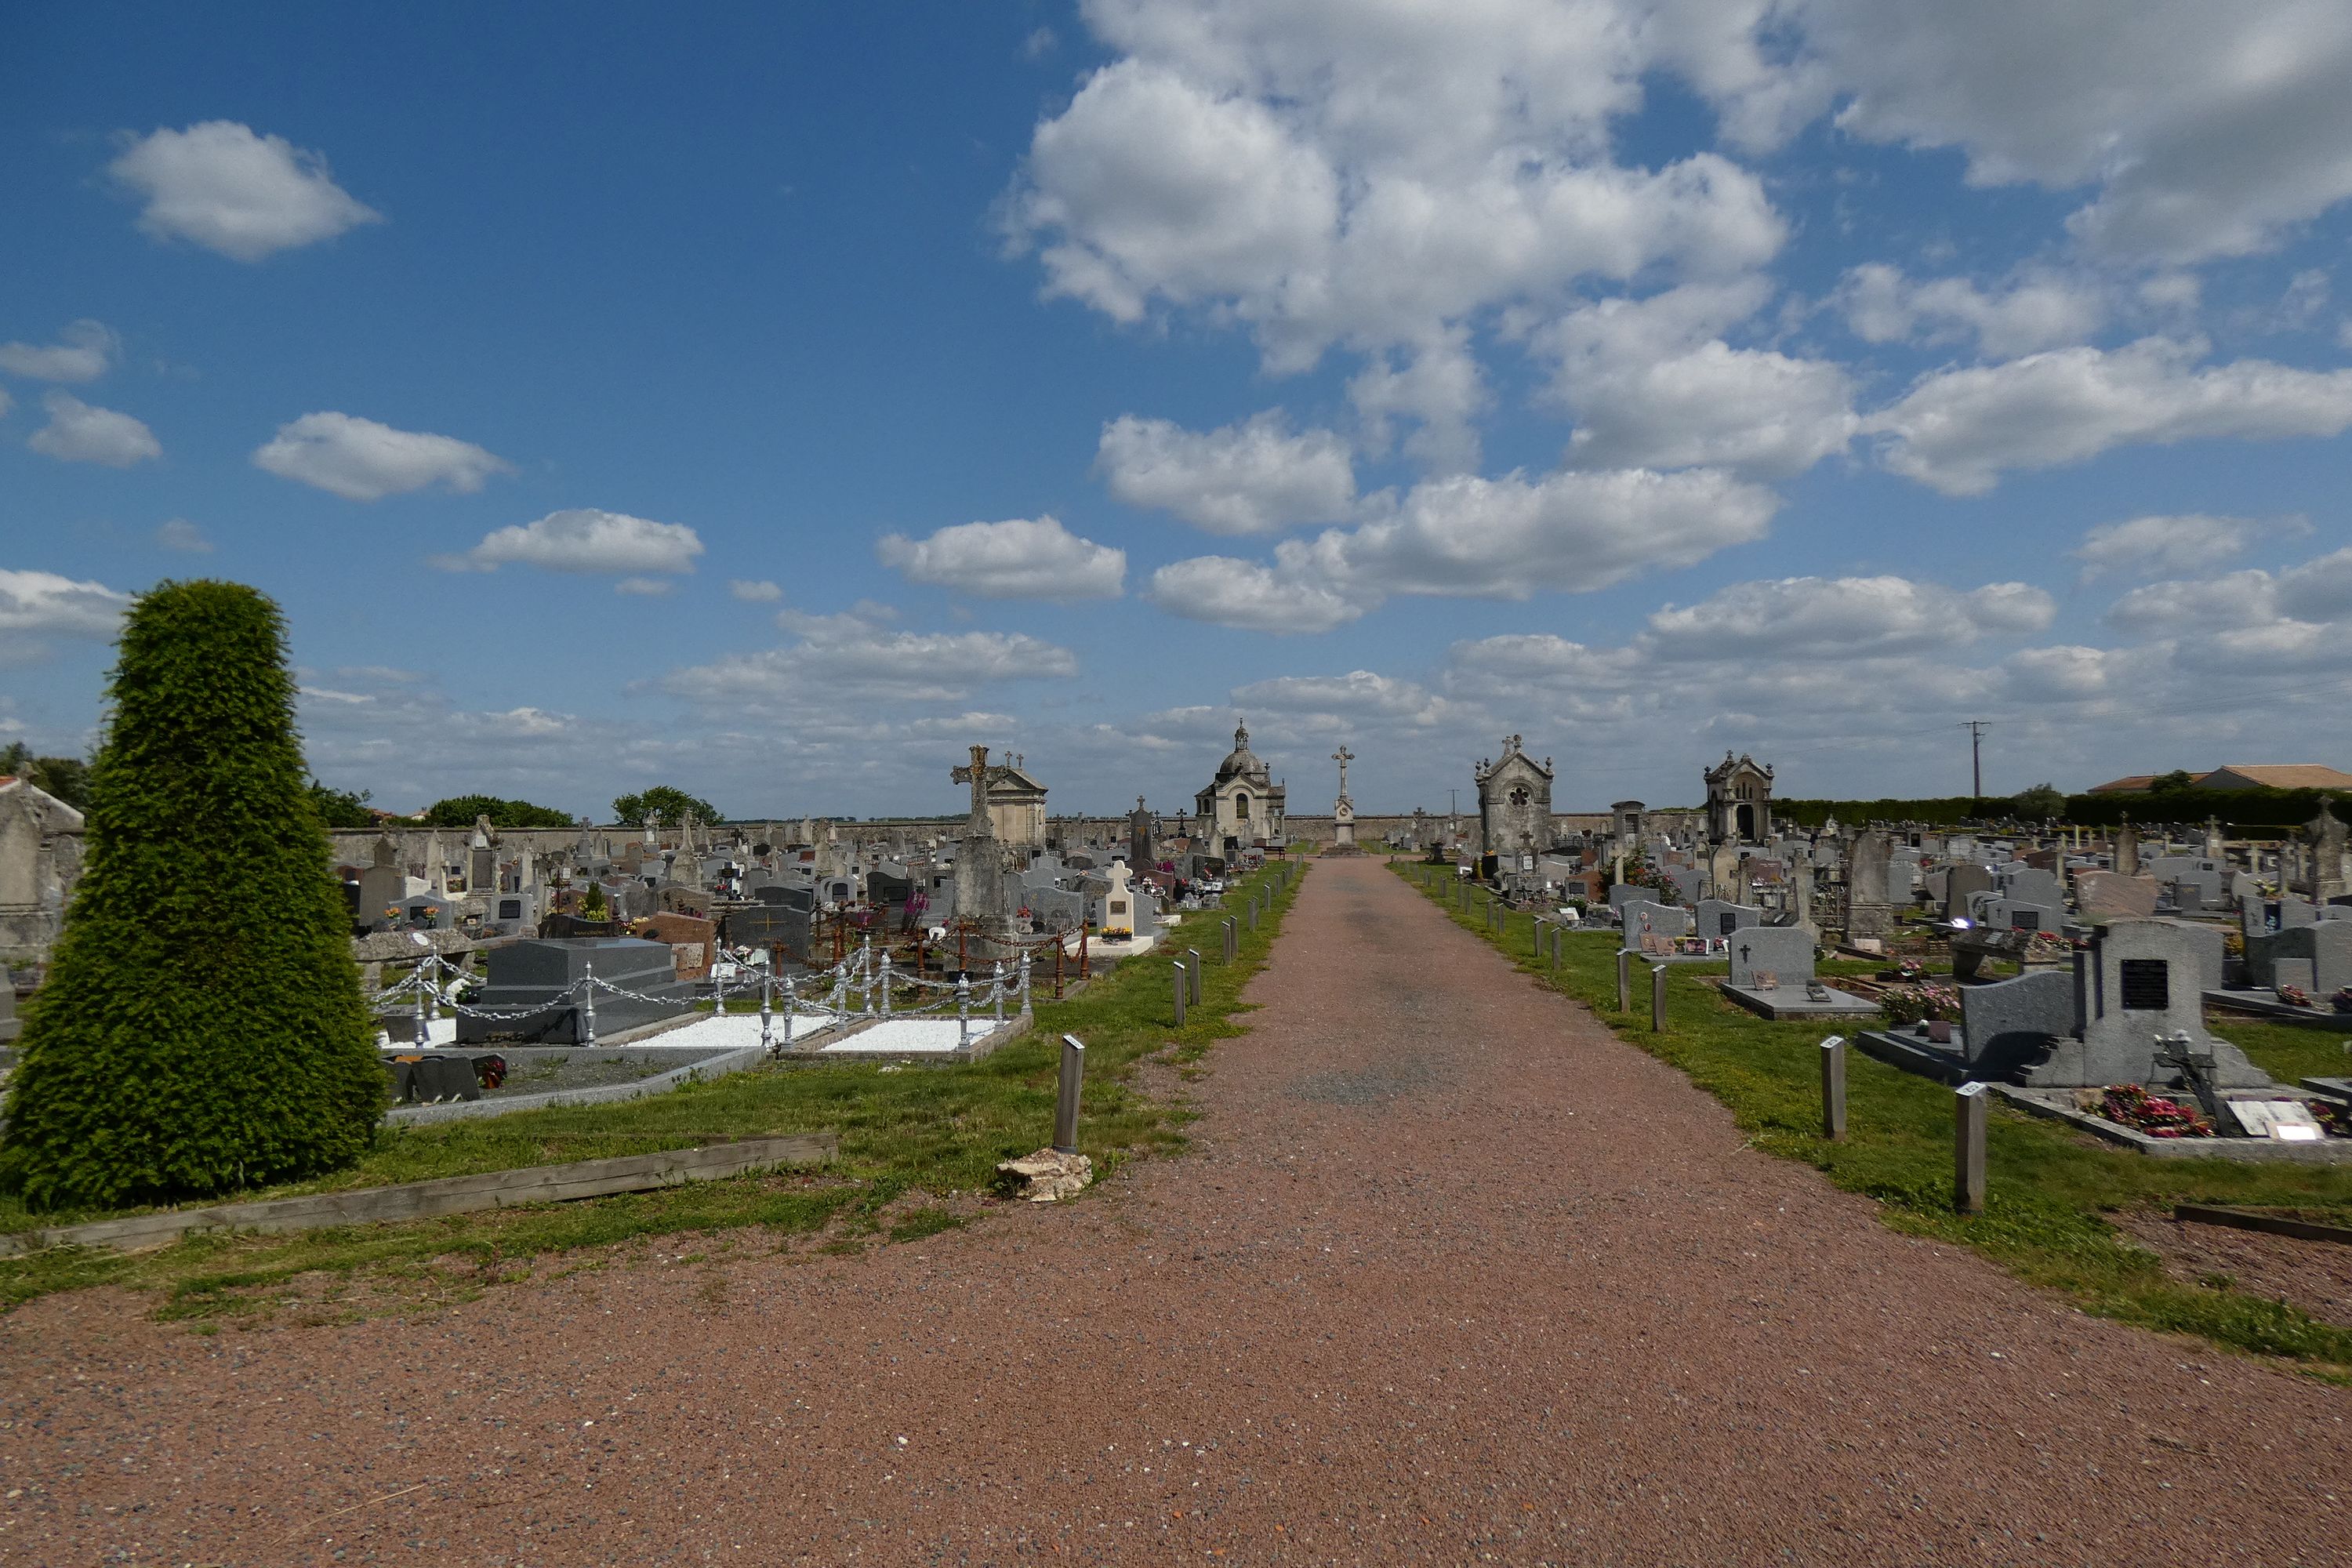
x=219, y=186
x=1477, y=538
x=1020, y=558
x=1958, y=430
x=361, y=460
x=644, y=587
x=1653, y=383
x=2038, y=310
x=2206, y=130
x=1843, y=617
x=2145, y=546
x=82, y=353
x=1243, y=594
x=852, y=657
x=43, y=601
x=1359, y=696
x=759, y=591
x=1254, y=477
x=1321, y=177
x=1509, y=538
x=78, y=433
x=586, y=539
x=179, y=534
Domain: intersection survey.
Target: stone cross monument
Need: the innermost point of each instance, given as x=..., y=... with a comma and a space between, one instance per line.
x=1343, y=812
x=980, y=894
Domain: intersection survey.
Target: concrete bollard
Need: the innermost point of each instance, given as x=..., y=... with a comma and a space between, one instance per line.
x=1065, y=1099
x=1192, y=970
x=1178, y=976
x=1624, y=980
x=1658, y=999
x=1233, y=939
x=1833, y=1088
x=1968, y=1109
x=1559, y=938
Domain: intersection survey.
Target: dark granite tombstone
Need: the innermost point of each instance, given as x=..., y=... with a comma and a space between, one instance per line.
x=541, y=976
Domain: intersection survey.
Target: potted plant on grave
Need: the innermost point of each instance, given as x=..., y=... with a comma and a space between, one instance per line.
x=2294, y=995
x=2342, y=1000
x=2158, y=1116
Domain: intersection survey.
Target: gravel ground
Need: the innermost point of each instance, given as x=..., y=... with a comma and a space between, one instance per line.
x=1450, y=1275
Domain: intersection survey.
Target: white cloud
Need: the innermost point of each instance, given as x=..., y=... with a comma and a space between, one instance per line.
x=585, y=540
x=850, y=657
x=1653, y=384
x=1957, y=430
x=1511, y=536
x=179, y=534
x=34, y=603
x=77, y=433
x=2145, y=546
x=360, y=460
x=1230, y=592
x=1020, y=558
x=1361, y=695
x=219, y=186
x=2040, y=309
x=1435, y=382
x=2207, y=130
x=1250, y=478
x=1844, y=618
x=83, y=351
x=5, y=403
x=755, y=591
x=644, y=587
x=1476, y=538
x=1323, y=176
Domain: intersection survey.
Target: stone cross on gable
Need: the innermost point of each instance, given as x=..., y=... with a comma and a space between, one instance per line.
x=976, y=774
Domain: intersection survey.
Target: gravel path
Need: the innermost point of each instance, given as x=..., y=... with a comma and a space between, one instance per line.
x=1451, y=1276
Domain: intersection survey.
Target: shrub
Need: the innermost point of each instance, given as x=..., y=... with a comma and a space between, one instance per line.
x=201, y=1027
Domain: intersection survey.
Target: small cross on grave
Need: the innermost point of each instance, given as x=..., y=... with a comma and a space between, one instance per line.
x=2178, y=1052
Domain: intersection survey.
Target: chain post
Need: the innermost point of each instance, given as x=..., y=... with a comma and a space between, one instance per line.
x=1025, y=983
x=767, y=1012
x=792, y=1005
x=996, y=993
x=588, y=1003
x=964, y=1008
x=886, y=984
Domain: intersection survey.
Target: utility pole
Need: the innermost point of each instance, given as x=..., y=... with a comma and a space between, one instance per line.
x=1976, y=728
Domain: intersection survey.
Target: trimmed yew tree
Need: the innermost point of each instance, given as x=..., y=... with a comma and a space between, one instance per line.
x=202, y=1027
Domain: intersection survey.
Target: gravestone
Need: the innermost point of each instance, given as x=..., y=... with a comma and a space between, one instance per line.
x=1784, y=952
x=1657, y=919
x=538, y=977
x=1870, y=898
x=1720, y=918
x=1959, y=882
x=2111, y=896
x=2032, y=885
x=2323, y=950
x=692, y=941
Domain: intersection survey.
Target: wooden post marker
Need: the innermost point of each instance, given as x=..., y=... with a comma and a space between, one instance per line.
x=1624, y=980
x=1968, y=1109
x=1179, y=975
x=1658, y=999
x=1833, y=1088
x=1192, y=970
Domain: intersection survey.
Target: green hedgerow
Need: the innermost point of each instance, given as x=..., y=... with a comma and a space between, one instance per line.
x=202, y=1027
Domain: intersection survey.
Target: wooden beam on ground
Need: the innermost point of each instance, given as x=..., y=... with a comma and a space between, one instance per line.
x=2275, y=1224
x=445, y=1195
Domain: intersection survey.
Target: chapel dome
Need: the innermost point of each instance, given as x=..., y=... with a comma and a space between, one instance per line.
x=1241, y=762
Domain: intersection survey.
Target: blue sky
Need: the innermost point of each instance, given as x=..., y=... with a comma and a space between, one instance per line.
x=776, y=403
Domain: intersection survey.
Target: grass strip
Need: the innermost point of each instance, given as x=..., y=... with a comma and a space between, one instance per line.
x=2051, y=1189
x=938, y=1130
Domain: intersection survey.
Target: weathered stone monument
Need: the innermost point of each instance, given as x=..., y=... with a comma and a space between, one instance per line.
x=979, y=885
x=1343, y=810
x=1870, y=901
x=1513, y=807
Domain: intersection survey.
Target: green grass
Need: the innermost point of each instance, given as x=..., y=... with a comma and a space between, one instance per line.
x=926, y=1132
x=2050, y=1188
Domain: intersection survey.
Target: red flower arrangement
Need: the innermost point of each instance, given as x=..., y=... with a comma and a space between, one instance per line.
x=2129, y=1105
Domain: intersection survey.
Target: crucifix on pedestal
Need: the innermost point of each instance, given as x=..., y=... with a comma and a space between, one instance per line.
x=976, y=774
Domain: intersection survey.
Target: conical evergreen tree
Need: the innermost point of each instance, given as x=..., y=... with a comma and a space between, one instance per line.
x=202, y=1027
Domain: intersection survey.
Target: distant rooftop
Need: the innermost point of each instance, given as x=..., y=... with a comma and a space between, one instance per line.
x=2242, y=776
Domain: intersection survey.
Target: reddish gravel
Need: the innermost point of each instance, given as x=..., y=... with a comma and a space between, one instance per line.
x=1452, y=1277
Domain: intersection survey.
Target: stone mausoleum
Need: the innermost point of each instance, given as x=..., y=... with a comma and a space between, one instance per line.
x=1514, y=806
x=1739, y=800
x=1242, y=805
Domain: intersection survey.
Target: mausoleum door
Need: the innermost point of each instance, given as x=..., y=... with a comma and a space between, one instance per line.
x=1746, y=821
